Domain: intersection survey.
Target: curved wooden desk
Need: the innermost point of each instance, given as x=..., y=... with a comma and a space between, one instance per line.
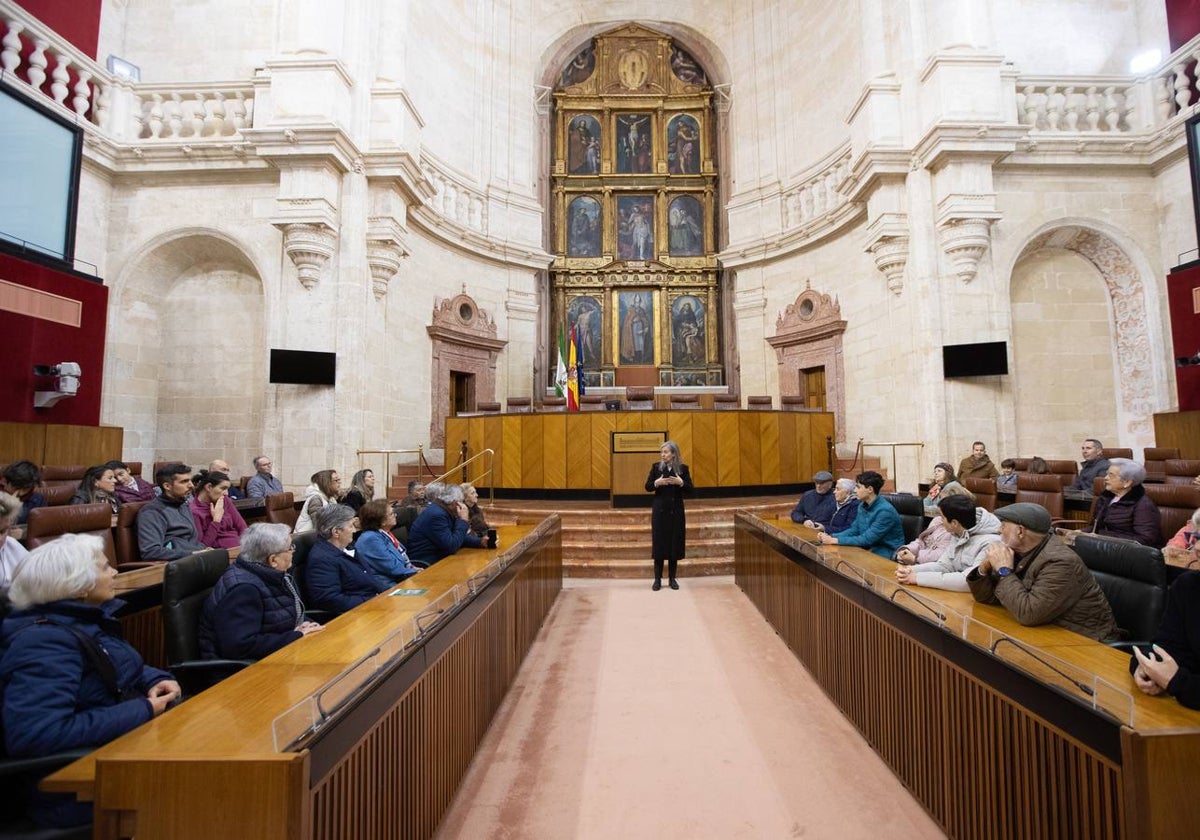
x=993, y=743
x=386, y=765
x=559, y=451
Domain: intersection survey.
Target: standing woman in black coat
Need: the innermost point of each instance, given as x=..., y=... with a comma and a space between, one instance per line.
x=669, y=479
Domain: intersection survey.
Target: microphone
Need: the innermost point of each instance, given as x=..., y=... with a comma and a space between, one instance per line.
x=1086, y=689
x=858, y=573
x=919, y=600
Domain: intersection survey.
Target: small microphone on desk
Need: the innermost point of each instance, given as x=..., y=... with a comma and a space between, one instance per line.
x=1086, y=689
x=921, y=601
x=858, y=573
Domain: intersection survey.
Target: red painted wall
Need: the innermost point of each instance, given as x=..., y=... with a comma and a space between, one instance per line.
x=30, y=341
x=1183, y=296
x=1183, y=21
x=76, y=20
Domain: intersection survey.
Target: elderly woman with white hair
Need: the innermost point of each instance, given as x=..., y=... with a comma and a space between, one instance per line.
x=1124, y=510
x=255, y=608
x=845, y=508
x=337, y=581
x=70, y=679
x=1180, y=549
x=12, y=553
x=442, y=528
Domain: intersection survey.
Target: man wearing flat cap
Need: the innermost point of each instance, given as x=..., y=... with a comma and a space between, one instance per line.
x=816, y=506
x=1038, y=578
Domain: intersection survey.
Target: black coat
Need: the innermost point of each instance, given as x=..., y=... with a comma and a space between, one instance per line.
x=667, y=525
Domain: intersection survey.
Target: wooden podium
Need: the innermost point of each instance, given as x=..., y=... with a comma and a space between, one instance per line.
x=632, y=453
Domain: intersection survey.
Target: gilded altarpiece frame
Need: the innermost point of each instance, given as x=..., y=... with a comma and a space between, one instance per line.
x=635, y=208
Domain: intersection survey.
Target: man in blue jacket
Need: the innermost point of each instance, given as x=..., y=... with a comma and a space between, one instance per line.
x=441, y=528
x=816, y=505
x=877, y=526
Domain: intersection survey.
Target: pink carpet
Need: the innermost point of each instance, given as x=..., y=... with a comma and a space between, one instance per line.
x=643, y=714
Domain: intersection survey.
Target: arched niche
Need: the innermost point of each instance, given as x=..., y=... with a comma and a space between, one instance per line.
x=465, y=349
x=808, y=338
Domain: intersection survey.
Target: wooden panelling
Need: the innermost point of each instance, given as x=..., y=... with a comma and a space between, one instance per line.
x=750, y=449
x=554, y=452
x=701, y=456
x=729, y=448
x=144, y=630
x=475, y=444
x=680, y=425
x=577, y=452
x=768, y=446
x=82, y=444
x=22, y=441
x=789, y=466
x=512, y=473
x=492, y=438
x=1178, y=429
x=603, y=425
x=820, y=429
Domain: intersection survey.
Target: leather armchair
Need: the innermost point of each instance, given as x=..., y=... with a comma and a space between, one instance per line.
x=16, y=776
x=129, y=554
x=912, y=513
x=303, y=544
x=984, y=491
x=1045, y=490
x=1133, y=578
x=187, y=583
x=281, y=508
x=49, y=523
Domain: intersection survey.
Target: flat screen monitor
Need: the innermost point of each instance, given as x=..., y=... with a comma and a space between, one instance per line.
x=989, y=358
x=39, y=156
x=1193, y=141
x=303, y=367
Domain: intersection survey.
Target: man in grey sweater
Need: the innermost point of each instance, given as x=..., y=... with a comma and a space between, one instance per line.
x=165, y=528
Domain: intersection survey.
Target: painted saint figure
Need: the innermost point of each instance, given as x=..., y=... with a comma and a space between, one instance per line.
x=635, y=334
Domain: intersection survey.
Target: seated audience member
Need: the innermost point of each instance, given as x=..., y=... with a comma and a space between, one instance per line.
x=362, y=490
x=98, y=486
x=1008, y=474
x=130, y=487
x=408, y=508
x=844, y=510
x=945, y=483
x=442, y=528
x=70, y=679
x=1172, y=665
x=977, y=464
x=1038, y=466
x=1038, y=578
x=255, y=608
x=972, y=530
x=218, y=523
x=816, y=505
x=930, y=543
x=876, y=526
x=1092, y=466
x=475, y=518
x=262, y=483
x=21, y=479
x=1124, y=510
x=337, y=580
x=221, y=466
x=1179, y=548
x=378, y=549
x=12, y=553
x=165, y=527
x=324, y=490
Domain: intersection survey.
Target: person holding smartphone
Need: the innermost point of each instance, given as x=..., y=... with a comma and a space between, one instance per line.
x=668, y=480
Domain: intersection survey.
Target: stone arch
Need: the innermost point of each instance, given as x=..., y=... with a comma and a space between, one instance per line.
x=1133, y=319
x=558, y=52
x=185, y=364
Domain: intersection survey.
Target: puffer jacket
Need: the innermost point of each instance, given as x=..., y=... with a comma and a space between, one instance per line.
x=961, y=555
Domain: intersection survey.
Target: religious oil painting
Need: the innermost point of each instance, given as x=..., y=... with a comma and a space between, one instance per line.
x=634, y=146
x=685, y=232
x=583, y=145
x=583, y=227
x=683, y=146
x=585, y=314
x=635, y=227
x=635, y=312
x=687, y=332
x=686, y=68
x=581, y=67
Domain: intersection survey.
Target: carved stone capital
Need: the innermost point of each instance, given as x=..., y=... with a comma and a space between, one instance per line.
x=309, y=246
x=964, y=241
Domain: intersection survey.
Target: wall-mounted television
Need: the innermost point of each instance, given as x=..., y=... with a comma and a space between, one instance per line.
x=40, y=154
x=1192, y=129
x=989, y=358
x=303, y=367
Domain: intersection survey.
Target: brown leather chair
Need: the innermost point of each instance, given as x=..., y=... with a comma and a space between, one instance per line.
x=59, y=472
x=488, y=407
x=47, y=524
x=554, y=404
x=1180, y=471
x=519, y=405
x=984, y=490
x=792, y=402
x=1116, y=452
x=760, y=402
x=685, y=402
x=1045, y=490
x=1021, y=464
x=135, y=468
x=59, y=493
x=1176, y=504
x=726, y=402
x=1155, y=459
x=281, y=507
x=639, y=397
x=591, y=402
x=1065, y=470
x=125, y=536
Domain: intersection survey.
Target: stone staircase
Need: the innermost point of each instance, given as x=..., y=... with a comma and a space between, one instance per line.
x=600, y=542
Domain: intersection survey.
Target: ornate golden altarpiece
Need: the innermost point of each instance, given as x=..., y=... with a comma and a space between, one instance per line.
x=634, y=192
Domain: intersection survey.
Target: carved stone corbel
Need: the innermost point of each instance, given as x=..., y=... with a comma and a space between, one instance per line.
x=309, y=247
x=964, y=241
x=386, y=249
x=887, y=242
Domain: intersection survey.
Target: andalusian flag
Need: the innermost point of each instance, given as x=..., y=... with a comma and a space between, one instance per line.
x=560, y=377
x=573, y=373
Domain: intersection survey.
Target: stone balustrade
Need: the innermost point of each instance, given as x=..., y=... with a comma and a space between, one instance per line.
x=453, y=199
x=33, y=55
x=817, y=194
x=192, y=112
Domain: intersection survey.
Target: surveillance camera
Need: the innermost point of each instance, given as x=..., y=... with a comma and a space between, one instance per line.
x=66, y=383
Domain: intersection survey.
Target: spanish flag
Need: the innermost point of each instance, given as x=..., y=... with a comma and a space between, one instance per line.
x=573, y=372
